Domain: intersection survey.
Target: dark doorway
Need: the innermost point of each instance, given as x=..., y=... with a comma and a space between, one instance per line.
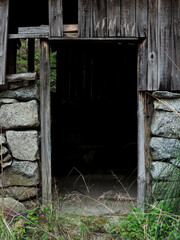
x=94, y=108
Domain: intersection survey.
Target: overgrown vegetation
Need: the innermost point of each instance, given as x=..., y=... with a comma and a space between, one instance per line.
x=160, y=221
x=22, y=61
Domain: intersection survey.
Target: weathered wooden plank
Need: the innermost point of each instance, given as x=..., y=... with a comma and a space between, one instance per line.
x=22, y=76
x=127, y=18
x=70, y=28
x=27, y=36
x=41, y=30
x=164, y=44
x=56, y=18
x=45, y=122
x=175, y=85
x=141, y=18
x=152, y=45
x=4, y=11
x=113, y=18
x=141, y=151
x=142, y=66
x=84, y=18
x=99, y=11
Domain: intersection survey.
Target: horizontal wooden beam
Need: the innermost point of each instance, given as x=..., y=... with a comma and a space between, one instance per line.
x=94, y=39
x=27, y=36
x=21, y=77
x=70, y=28
x=41, y=30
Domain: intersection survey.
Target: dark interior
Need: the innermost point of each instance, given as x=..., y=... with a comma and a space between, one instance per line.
x=94, y=108
x=27, y=14
x=70, y=12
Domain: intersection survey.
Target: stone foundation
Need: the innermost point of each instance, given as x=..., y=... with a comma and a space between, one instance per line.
x=19, y=140
x=165, y=142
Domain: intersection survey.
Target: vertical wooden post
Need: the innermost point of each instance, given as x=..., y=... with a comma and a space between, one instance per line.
x=4, y=13
x=31, y=46
x=141, y=151
x=45, y=121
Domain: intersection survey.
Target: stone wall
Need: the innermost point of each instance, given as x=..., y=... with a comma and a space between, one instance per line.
x=19, y=140
x=165, y=142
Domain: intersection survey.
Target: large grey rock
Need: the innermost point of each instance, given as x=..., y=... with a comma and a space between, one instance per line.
x=167, y=105
x=165, y=94
x=23, y=144
x=21, y=173
x=165, y=124
x=164, y=148
x=19, y=115
x=22, y=94
x=7, y=101
x=11, y=206
x=162, y=170
x=20, y=193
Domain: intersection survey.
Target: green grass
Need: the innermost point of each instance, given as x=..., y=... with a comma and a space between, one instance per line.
x=159, y=222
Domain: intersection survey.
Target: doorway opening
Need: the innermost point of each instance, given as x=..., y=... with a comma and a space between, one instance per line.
x=94, y=117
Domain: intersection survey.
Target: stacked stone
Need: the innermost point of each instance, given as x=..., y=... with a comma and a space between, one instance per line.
x=19, y=140
x=165, y=143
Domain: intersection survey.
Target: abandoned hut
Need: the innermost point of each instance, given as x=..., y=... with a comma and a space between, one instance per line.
x=115, y=59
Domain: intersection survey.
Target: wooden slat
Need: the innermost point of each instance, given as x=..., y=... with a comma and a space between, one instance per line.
x=152, y=46
x=100, y=12
x=45, y=121
x=22, y=76
x=164, y=44
x=84, y=20
x=127, y=18
x=142, y=67
x=141, y=18
x=41, y=30
x=175, y=85
x=113, y=18
x=4, y=11
x=141, y=151
x=55, y=18
x=70, y=28
x=27, y=36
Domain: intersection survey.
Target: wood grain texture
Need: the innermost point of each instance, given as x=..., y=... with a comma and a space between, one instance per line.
x=164, y=44
x=141, y=151
x=4, y=12
x=127, y=18
x=84, y=18
x=45, y=122
x=142, y=66
x=113, y=18
x=141, y=18
x=30, y=76
x=175, y=84
x=56, y=18
x=152, y=46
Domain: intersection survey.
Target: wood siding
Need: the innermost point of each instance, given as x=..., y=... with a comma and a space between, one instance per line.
x=157, y=21
x=4, y=10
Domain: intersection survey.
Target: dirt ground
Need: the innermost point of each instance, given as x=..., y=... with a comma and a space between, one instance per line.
x=96, y=194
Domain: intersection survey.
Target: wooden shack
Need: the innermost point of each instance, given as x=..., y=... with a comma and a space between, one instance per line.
x=107, y=50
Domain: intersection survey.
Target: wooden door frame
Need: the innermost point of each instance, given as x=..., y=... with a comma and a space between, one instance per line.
x=46, y=127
